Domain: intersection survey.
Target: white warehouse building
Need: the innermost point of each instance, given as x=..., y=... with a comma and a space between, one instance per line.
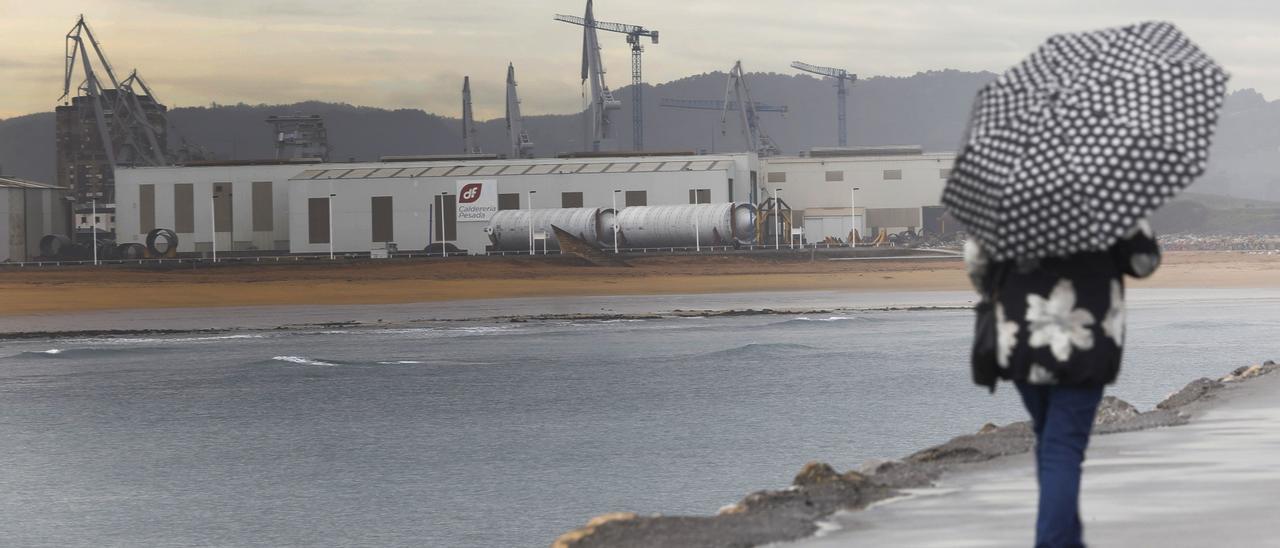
x=288, y=207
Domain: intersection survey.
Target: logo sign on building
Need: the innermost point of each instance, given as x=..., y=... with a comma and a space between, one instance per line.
x=477, y=200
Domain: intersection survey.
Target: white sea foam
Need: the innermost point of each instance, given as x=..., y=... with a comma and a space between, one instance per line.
x=302, y=360
x=156, y=340
x=52, y=351
x=401, y=362
x=830, y=319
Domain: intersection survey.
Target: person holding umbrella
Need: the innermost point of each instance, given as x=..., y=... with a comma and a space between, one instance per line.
x=1066, y=156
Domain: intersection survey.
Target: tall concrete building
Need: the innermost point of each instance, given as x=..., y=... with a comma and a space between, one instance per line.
x=83, y=135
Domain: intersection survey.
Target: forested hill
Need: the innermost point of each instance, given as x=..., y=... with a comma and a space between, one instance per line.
x=929, y=109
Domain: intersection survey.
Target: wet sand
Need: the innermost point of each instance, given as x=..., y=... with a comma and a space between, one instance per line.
x=84, y=289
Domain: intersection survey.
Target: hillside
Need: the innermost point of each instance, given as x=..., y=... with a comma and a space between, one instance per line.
x=929, y=109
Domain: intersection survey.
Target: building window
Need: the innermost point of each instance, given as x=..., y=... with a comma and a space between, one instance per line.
x=146, y=208
x=777, y=177
x=97, y=220
x=318, y=220
x=222, y=207
x=382, y=219
x=509, y=201
x=184, y=208
x=263, y=207
x=835, y=176
x=699, y=195
x=893, y=174
x=446, y=222
x=944, y=173
x=570, y=199
x=637, y=198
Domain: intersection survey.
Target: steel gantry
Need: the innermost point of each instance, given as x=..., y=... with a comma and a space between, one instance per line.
x=841, y=76
x=469, y=143
x=736, y=87
x=521, y=145
x=129, y=136
x=635, y=34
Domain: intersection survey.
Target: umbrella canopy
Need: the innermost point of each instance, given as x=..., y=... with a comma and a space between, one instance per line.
x=1069, y=149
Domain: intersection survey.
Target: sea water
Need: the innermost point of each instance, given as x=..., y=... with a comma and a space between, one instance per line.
x=508, y=434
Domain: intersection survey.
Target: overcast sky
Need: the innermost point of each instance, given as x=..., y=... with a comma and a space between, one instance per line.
x=413, y=54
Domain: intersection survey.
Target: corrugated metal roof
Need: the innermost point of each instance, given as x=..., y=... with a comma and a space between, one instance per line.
x=14, y=182
x=639, y=164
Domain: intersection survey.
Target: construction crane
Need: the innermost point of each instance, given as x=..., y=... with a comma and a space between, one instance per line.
x=757, y=138
x=128, y=136
x=521, y=146
x=842, y=93
x=469, y=144
x=717, y=105
x=591, y=48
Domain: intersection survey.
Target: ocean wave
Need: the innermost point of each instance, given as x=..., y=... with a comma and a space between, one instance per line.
x=828, y=319
x=302, y=360
x=762, y=349
x=164, y=340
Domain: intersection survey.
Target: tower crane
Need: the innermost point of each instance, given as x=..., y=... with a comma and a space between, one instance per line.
x=842, y=93
x=521, y=145
x=128, y=137
x=634, y=35
x=469, y=144
x=757, y=138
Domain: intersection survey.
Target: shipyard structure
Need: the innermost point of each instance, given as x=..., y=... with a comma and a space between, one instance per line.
x=484, y=205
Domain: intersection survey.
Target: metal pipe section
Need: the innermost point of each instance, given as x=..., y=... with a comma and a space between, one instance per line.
x=509, y=229
x=674, y=225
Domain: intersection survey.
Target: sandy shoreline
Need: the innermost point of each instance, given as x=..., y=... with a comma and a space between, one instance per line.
x=83, y=289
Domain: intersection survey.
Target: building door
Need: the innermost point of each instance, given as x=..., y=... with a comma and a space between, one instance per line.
x=222, y=215
x=446, y=219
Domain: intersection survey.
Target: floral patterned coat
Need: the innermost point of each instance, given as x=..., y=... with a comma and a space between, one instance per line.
x=1061, y=320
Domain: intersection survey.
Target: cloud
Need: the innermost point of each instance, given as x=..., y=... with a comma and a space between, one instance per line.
x=412, y=54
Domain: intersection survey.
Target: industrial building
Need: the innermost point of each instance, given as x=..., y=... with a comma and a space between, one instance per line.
x=898, y=188
x=28, y=211
x=298, y=208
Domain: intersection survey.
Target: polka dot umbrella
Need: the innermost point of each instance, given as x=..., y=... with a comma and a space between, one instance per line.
x=1069, y=149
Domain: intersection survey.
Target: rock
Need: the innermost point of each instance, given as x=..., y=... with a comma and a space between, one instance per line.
x=816, y=473
x=1250, y=372
x=1113, y=410
x=1191, y=392
x=567, y=540
x=988, y=428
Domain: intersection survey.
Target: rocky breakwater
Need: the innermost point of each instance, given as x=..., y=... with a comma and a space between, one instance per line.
x=819, y=490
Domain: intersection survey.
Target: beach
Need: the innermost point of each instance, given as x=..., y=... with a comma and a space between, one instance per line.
x=63, y=290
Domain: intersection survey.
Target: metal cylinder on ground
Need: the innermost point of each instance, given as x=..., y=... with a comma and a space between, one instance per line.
x=54, y=246
x=162, y=242
x=721, y=224
x=131, y=252
x=509, y=229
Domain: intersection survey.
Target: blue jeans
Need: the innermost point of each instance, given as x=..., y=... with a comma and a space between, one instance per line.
x=1062, y=417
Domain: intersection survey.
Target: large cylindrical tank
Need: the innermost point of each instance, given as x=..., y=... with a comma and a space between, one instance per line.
x=509, y=228
x=674, y=225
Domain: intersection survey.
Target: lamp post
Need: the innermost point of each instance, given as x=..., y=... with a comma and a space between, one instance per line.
x=94, y=213
x=777, y=219
x=853, y=217
x=213, y=220
x=531, y=193
x=615, y=220
x=331, y=197
x=697, y=237
x=444, y=225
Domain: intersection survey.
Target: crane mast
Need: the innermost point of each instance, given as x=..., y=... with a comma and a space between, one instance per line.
x=128, y=137
x=469, y=144
x=634, y=35
x=757, y=138
x=521, y=145
x=841, y=76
